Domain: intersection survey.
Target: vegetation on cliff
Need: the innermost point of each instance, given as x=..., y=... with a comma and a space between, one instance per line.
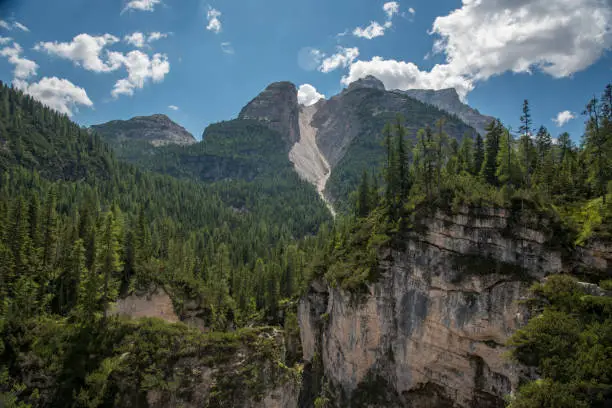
x=565, y=189
x=569, y=341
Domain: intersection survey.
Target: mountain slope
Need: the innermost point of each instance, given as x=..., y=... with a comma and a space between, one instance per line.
x=349, y=130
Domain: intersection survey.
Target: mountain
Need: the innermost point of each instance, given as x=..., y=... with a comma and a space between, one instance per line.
x=330, y=144
x=448, y=100
x=158, y=130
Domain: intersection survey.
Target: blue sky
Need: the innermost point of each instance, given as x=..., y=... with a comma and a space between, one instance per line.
x=209, y=58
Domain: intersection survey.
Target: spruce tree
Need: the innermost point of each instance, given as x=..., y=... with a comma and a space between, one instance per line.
x=492, y=140
x=479, y=155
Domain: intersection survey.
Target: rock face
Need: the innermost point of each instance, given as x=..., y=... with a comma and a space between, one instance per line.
x=156, y=303
x=431, y=331
x=277, y=107
x=159, y=130
x=306, y=156
x=448, y=100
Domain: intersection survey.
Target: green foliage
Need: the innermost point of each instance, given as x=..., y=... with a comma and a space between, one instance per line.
x=570, y=343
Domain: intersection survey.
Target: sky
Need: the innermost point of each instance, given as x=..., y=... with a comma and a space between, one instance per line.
x=201, y=61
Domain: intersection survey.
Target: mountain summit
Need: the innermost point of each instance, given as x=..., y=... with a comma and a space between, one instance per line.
x=448, y=100
x=158, y=130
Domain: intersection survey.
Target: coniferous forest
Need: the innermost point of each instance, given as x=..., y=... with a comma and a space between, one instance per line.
x=80, y=228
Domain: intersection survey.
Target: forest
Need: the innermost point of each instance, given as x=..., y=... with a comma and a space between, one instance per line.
x=79, y=228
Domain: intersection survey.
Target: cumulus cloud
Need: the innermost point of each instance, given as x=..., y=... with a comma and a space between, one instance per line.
x=214, y=24
x=141, y=5
x=5, y=40
x=141, y=68
x=59, y=94
x=227, y=48
x=15, y=24
x=173, y=107
x=83, y=50
x=139, y=40
x=391, y=8
x=487, y=38
x=563, y=117
x=372, y=31
x=412, y=11
x=483, y=39
x=24, y=68
x=308, y=95
x=406, y=75
x=343, y=58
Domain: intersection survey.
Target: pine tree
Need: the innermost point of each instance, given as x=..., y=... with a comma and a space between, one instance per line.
x=466, y=154
x=508, y=168
x=49, y=230
x=543, y=143
x=598, y=145
x=479, y=155
x=363, y=196
x=108, y=261
x=492, y=140
x=525, y=128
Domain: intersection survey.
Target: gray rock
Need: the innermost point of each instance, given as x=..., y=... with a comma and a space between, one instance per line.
x=448, y=100
x=159, y=130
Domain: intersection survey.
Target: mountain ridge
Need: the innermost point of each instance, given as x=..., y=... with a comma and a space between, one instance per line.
x=157, y=129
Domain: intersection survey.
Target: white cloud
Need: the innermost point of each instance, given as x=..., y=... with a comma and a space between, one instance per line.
x=391, y=8
x=308, y=95
x=406, y=75
x=24, y=68
x=139, y=40
x=214, y=24
x=59, y=94
x=412, y=11
x=141, y=5
x=487, y=38
x=227, y=48
x=173, y=107
x=343, y=58
x=564, y=117
x=10, y=26
x=372, y=31
x=375, y=29
x=310, y=58
x=156, y=35
x=5, y=40
x=136, y=39
x=560, y=37
x=20, y=26
x=140, y=69
x=84, y=50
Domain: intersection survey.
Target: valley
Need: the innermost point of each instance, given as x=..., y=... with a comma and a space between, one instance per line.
x=378, y=248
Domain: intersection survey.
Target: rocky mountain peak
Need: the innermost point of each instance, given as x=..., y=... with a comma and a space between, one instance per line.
x=448, y=100
x=157, y=129
x=276, y=107
x=369, y=81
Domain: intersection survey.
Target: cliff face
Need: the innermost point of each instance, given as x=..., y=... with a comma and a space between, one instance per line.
x=430, y=331
x=278, y=108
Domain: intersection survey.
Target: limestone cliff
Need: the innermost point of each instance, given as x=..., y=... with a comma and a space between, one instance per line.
x=277, y=107
x=430, y=332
